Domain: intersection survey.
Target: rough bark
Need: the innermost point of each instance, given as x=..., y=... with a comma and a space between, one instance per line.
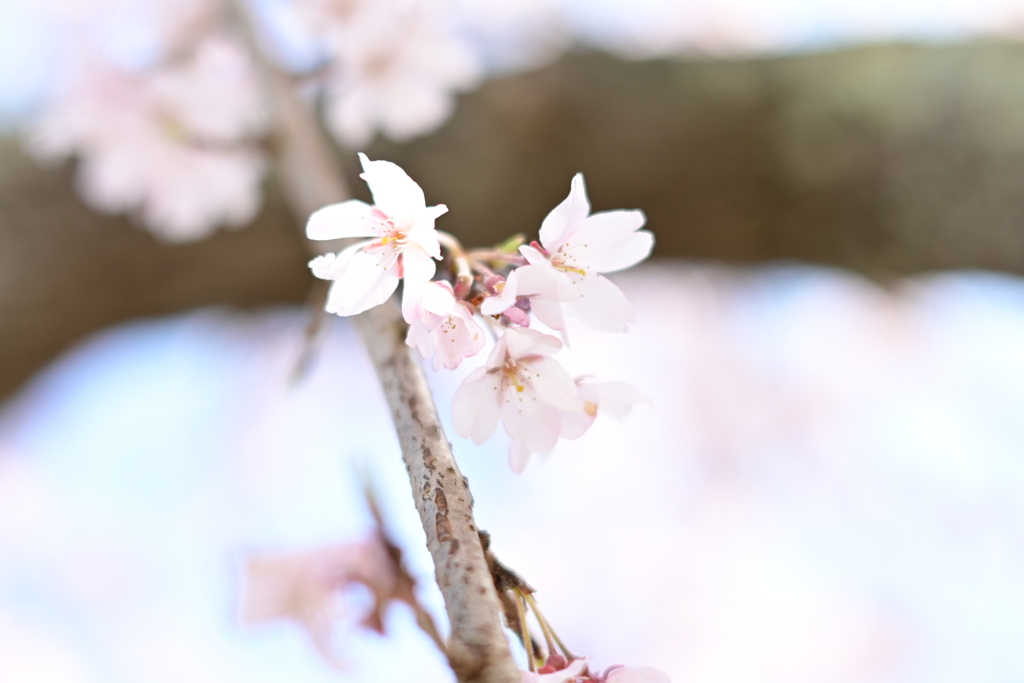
x=478, y=650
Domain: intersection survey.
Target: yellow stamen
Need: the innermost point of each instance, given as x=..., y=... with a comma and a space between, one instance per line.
x=570, y=269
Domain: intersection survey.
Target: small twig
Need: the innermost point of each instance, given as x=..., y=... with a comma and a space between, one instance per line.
x=544, y=626
x=463, y=270
x=525, y=631
x=313, y=334
x=493, y=255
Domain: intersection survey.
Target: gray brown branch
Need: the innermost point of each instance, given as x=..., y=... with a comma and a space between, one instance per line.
x=478, y=650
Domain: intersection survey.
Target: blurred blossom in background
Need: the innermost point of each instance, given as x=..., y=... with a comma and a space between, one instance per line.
x=826, y=488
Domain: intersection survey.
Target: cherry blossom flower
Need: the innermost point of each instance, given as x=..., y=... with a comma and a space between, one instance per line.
x=444, y=327
x=524, y=388
x=168, y=145
x=564, y=272
x=393, y=68
x=404, y=242
x=609, y=398
x=309, y=587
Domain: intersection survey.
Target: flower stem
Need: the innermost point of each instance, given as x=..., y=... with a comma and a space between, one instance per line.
x=544, y=626
x=463, y=271
x=527, y=640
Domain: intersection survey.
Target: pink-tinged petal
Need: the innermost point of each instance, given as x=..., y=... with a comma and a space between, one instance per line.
x=421, y=336
x=499, y=353
x=530, y=420
x=550, y=313
x=637, y=674
x=625, y=253
x=437, y=298
x=551, y=382
x=393, y=190
x=612, y=398
x=360, y=282
x=545, y=282
x=347, y=219
x=566, y=675
x=566, y=217
x=533, y=256
x=603, y=307
x=575, y=423
x=458, y=336
x=521, y=342
x=496, y=305
x=417, y=269
x=518, y=458
x=476, y=406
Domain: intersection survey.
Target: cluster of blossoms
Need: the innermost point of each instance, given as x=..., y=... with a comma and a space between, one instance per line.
x=178, y=139
x=503, y=290
x=175, y=143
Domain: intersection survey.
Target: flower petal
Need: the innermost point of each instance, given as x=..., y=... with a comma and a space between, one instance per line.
x=546, y=282
x=360, y=281
x=637, y=674
x=550, y=313
x=521, y=342
x=608, y=227
x=518, y=457
x=498, y=304
x=625, y=253
x=417, y=269
x=347, y=219
x=529, y=420
x=476, y=406
x=393, y=190
x=612, y=398
x=603, y=307
x=423, y=234
x=437, y=298
x=553, y=385
x=566, y=217
x=533, y=256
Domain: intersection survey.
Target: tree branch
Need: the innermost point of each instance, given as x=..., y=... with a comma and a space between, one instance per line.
x=478, y=648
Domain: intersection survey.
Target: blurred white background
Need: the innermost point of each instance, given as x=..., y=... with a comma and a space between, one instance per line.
x=827, y=487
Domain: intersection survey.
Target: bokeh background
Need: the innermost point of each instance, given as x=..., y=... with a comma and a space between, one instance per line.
x=828, y=486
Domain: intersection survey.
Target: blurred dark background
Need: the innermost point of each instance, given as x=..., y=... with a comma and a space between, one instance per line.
x=885, y=159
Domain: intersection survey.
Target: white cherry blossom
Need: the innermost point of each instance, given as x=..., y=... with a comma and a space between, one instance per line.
x=404, y=243
x=444, y=327
x=564, y=272
x=524, y=388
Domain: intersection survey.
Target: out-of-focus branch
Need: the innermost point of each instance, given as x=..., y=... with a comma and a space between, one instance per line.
x=478, y=650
